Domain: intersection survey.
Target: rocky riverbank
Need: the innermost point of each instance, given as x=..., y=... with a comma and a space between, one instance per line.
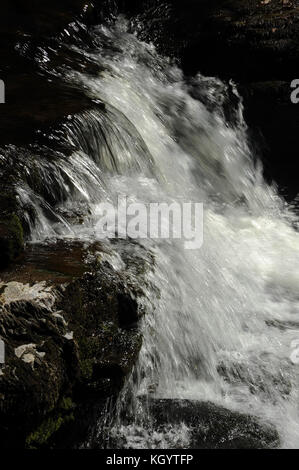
x=69, y=322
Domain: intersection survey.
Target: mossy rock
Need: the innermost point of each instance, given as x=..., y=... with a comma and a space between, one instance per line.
x=69, y=339
x=41, y=437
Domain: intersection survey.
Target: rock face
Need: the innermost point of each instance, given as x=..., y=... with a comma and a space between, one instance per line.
x=69, y=328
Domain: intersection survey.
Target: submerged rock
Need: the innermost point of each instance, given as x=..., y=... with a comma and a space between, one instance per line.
x=213, y=427
x=68, y=337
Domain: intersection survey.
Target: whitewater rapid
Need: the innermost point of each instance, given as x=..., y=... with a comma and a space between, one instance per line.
x=222, y=318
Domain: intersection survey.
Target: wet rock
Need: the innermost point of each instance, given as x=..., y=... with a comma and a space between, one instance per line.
x=34, y=103
x=65, y=321
x=36, y=54
x=57, y=263
x=213, y=427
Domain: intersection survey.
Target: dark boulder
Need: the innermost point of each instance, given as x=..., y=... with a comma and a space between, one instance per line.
x=214, y=427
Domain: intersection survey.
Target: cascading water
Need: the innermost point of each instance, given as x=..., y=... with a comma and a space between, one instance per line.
x=222, y=317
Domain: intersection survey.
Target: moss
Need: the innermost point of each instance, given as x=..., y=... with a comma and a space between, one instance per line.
x=51, y=425
x=67, y=404
x=86, y=368
x=89, y=349
x=86, y=358
x=46, y=431
x=43, y=433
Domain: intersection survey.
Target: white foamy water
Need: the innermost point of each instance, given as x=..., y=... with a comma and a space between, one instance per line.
x=221, y=319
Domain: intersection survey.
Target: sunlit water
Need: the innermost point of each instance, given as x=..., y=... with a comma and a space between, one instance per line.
x=220, y=319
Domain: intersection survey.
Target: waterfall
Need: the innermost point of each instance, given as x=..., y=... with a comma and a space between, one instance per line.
x=221, y=319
